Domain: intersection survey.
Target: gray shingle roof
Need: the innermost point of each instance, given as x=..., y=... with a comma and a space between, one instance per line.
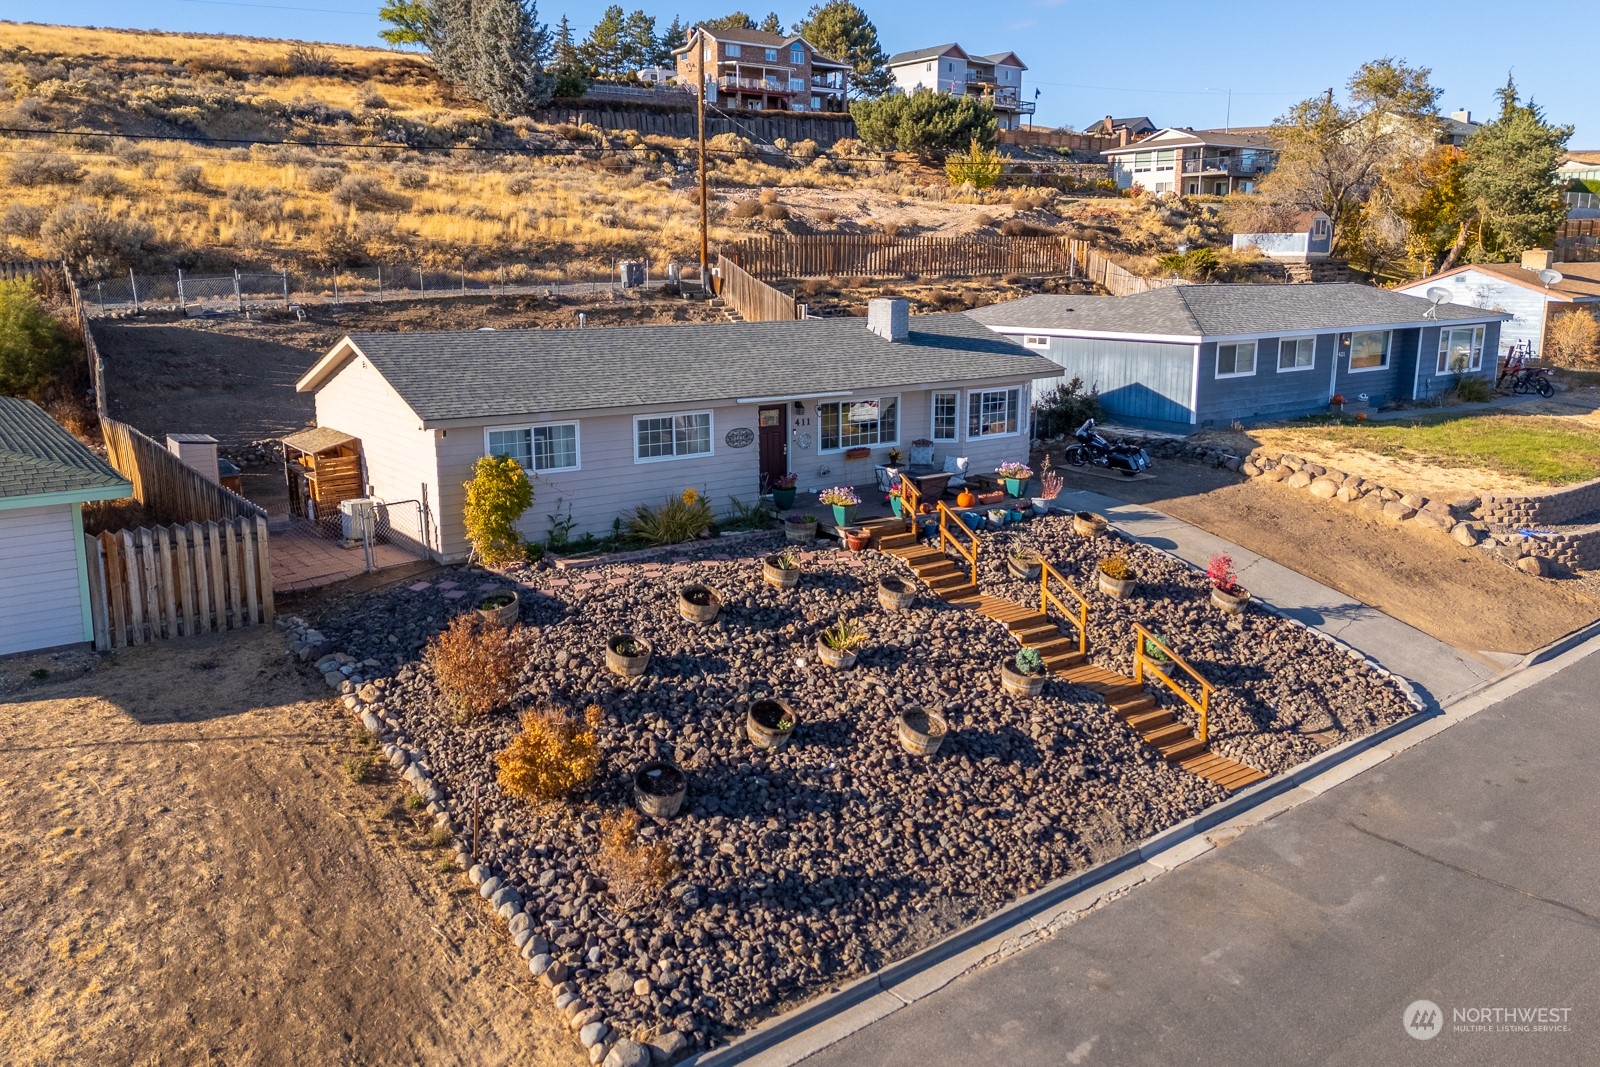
x=469, y=375
x=38, y=457
x=921, y=53
x=1225, y=311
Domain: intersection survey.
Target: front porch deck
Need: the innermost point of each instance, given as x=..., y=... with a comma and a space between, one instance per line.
x=875, y=506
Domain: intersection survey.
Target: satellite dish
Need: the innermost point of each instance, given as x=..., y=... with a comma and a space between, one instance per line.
x=1550, y=277
x=1438, y=294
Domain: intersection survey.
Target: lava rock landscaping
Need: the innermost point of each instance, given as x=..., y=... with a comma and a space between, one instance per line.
x=838, y=853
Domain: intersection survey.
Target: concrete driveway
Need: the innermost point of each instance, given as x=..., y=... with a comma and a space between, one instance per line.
x=1464, y=871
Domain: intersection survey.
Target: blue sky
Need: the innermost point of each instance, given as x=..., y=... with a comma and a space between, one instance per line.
x=1170, y=61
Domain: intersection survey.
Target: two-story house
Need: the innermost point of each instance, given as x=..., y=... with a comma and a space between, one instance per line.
x=756, y=71
x=949, y=68
x=1193, y=162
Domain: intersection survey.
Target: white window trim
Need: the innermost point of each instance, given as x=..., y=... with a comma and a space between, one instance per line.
x=1034, y=340
x=977, y=394
x=1255, y=359
x=577, y=444
x=711, y=438
x=1388, y=346
x=1474, y=365
x=1298, y=338
x=899, y=421
x=933, y=412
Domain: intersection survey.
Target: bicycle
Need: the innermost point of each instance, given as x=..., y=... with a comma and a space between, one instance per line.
x=1532, y=380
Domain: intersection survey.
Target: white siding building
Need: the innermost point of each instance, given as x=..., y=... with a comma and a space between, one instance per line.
x=1518, y=290
x=949, y=68
x=1193, y=162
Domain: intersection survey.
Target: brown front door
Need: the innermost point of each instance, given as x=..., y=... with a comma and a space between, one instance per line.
x=774, y=442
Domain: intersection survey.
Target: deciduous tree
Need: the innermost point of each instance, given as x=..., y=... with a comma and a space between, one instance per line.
x=31, y=346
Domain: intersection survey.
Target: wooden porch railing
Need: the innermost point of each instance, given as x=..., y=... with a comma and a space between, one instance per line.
x=910, y=501
x=1142, y=663
x=1080, y=618
x=949, y=536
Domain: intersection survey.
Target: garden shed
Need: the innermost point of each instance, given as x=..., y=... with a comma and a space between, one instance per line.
x=46, y=476
x=322, y=468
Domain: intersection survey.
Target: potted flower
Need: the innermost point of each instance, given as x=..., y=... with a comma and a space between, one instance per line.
x=997, y=518
x=1088, y=523
x=895, y=593
x=1024, y=563
x=800, y=528
x=699, y=603
x=500, y=609
x=837, y=645
x=783, y=490
x=856, y=538
x=921, y=732
x=1050, y=484
x=1226, y=592
x=1116, y=577
x=1337, y=400
x=895, y=456
x=843, y=500
x=781, y=570
x=1015, y=475
x=627, y=655
x=1023, y=675
x=769, y=724
x=659, y=788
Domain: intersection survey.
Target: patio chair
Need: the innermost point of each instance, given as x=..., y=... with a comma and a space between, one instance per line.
x=888, y=477
x=921, y=454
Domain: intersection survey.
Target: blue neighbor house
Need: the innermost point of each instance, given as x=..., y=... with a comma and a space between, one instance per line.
x=1189, y=357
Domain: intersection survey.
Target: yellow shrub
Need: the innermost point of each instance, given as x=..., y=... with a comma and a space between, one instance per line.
x=553, y=757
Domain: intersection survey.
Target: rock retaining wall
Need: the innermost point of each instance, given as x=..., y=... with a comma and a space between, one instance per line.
x=1542, y=509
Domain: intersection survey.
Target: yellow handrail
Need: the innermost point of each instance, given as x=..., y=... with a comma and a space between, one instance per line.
x=910, y=501
x=946, y=540
x=1046, y=598
x=1142, y=662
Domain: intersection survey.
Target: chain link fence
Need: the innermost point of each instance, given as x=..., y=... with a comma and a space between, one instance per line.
x=242, y=291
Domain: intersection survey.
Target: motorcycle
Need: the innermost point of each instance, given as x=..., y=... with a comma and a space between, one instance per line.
x=1092, y=449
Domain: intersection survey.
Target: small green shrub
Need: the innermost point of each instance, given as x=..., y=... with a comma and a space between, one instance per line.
x=1471, y=389
x=361, y=769
x=32, y=348
x=496, y=498
x=1029, y=662
x=682, y=518
x=1064, y=408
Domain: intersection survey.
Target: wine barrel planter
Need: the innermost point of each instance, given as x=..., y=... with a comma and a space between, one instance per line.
x=800, y=532
x=699, y=603
x=1117, y=588
x=1025, y=566
x=500, y=609
x=1088, y=523
x=1232, y=603
x=628, y=665
x=658, y=789
x=776, y=576
x=832, y=657
x=763, y=724
x=1018, y=684
x=921, y=732
x=895, y=594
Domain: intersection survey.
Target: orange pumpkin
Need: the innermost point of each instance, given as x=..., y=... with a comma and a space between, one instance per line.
x=965, y=499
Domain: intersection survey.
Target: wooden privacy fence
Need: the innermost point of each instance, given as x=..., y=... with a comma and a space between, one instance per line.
x=169, y=489
x=873, y=255
x=1118, y=281
x=178, y=581
x=753, y=298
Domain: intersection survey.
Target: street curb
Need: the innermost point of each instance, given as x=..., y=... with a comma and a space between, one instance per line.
x=1014, y=922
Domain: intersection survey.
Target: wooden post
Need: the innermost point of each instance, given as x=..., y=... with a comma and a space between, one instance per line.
x=95, y=559
x=700, y=135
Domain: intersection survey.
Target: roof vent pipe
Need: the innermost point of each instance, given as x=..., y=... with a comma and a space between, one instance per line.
x=889, y=318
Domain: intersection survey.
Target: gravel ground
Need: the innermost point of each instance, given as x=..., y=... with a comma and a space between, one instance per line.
x=839, y=853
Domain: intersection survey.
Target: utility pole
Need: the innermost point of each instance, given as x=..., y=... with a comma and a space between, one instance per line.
x=705, y=209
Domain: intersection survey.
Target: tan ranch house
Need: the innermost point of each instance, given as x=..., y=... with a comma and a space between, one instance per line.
x=606, y=419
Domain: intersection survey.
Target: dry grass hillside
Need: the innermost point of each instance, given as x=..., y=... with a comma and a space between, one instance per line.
x=422, y=178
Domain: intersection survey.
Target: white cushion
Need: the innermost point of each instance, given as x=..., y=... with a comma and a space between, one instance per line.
x=957, y=467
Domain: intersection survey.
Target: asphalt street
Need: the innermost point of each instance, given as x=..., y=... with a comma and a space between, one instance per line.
x=1464, y=871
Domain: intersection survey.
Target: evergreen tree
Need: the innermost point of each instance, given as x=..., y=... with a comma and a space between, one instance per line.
x=841, y=30
x=736, y=21
x=638, y=41
x=675, y=37
x=507, y=72
x=455, y=42
x=602, y=50
x=772, y=24
x=925, y=122
x=1512, y=198
x=566, y=65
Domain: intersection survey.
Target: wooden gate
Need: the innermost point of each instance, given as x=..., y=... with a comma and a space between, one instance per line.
x=160, y=582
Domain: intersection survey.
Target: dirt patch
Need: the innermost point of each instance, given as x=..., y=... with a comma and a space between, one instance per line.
x=187, y=874
x=1421, y=578
x=234, y=378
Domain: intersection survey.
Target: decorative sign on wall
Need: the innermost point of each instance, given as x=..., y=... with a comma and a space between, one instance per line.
x=740, y=437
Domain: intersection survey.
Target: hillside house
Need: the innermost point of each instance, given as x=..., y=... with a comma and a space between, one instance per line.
x=1305, y=238
x=1193, y=162
x=949, y=68
x=605, y=420
x=1518, y=290
x=1188, y=357
x=756, y=71
x=1136, y=127
x=46, y=476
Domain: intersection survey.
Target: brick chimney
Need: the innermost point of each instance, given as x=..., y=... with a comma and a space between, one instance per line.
x=1122, y=137
x=889, y=318
x=1108, y=130
x=1537, y=259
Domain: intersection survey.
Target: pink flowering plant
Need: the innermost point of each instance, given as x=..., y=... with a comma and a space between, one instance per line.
x=1020, y=471
x=838, y=496
x=1219, y=570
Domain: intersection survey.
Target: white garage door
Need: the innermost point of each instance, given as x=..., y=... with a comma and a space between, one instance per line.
x=39, y=602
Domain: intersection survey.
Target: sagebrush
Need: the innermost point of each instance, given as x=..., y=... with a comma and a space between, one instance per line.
x=635, y=870
x=474, y=664
x=553, y=757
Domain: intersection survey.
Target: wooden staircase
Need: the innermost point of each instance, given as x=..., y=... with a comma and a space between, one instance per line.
x=1128, y=700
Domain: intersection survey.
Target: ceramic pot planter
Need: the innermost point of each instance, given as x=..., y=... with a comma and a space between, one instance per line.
x=997, y=518
x=659, y=788
x=627, y=655
x=921, y=732
x=1232, y=603
x=895, y=594
x=991, y=498
x=775, y=576
x=1041, y=505
x=699, y=603
x=783, y=499
x=844, y=514
x=1015, y=486
x=1018, y=684
x=769, y=724
x=1115, y=587
x=855, y=538
x=800, y=532
x=1024, y=565
x=500, y=609
x=1088, y=524
x=835, y=658
x=896, y=504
